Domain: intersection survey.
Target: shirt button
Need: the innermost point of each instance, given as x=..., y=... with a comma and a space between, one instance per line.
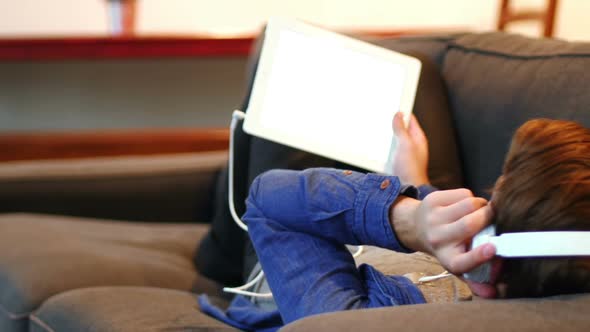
x=347, y=172
x=385, y=184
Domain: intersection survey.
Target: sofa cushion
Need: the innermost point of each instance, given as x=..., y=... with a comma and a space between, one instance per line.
x=498, y=81
x=446, y=290
x=123, y=309
x=564, y=314
x=45, y=255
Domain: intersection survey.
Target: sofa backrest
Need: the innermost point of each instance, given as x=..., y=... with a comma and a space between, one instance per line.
x=498, y=81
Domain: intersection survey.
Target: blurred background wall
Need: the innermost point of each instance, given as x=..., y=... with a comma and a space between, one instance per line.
x=200, y=92
x=75, y=17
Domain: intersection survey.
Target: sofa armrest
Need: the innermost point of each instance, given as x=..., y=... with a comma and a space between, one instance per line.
x=561, y=313
x=173, y=187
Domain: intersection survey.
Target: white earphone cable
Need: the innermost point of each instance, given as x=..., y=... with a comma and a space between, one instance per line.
x=242, y=289
x=358, y=252
x=247, y=293
x=444, y=274
x=252, y=282
x=236, y=116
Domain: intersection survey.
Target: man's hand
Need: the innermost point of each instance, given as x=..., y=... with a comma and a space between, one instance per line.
x=446, y=221
x=411, y=159
x=442, y=225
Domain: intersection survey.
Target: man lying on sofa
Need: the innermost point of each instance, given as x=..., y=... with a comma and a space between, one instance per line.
x=299, y=223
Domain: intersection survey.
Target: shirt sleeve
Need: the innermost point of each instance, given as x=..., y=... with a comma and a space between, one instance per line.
x=342, y=206
x=425, y=190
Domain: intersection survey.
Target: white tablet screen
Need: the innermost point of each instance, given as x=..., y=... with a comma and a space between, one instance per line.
x=325, y=97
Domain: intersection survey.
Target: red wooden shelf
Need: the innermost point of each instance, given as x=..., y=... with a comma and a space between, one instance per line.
x=125, y=47
x=123, y=142
x=121, y=47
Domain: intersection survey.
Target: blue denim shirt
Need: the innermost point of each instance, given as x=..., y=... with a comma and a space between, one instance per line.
x=299, y=223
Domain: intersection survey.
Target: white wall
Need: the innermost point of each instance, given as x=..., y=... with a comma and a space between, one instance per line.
x=234, y=15
x=573, y=21
x=53, y=17
x=66, y=17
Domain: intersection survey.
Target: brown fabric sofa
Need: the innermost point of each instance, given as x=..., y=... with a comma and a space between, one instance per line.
x=80, y=274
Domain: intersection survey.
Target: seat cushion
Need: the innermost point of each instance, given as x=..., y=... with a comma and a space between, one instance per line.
x=444, y=290
x=123, y=309
x=497, y=81
x=45, y=255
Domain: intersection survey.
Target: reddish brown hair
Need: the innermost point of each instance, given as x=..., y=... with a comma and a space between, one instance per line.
x=545, y=186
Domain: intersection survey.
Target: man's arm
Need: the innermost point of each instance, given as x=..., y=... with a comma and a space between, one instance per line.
x=444, y=223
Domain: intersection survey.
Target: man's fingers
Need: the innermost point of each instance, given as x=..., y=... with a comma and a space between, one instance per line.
x=485, y=291
x=462, y=208
x=415, y=129
x=447, y=197
x=399, y=127
x=469, y=260
x=467, y=226
x=462, y=230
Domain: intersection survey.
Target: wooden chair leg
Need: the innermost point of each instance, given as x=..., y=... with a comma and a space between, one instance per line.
x=546, y=16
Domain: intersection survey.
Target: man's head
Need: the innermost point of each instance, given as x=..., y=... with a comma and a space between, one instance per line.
x=545, y=186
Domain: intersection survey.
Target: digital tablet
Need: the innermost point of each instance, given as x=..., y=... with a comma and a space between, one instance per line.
x=330, y=94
